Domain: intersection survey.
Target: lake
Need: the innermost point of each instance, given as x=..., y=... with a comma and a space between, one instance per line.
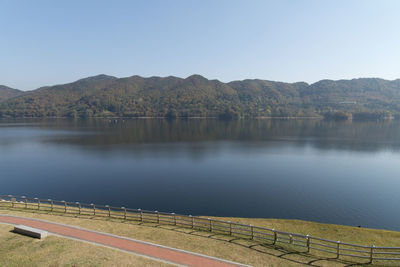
x=332, y=172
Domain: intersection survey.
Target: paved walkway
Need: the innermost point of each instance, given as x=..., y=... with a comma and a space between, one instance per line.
x=154, y=251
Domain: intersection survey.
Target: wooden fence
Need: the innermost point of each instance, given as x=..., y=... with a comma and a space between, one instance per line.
x=259, y=234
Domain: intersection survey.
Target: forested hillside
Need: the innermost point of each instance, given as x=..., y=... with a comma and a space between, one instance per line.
x=7, y=93
x=196, y=96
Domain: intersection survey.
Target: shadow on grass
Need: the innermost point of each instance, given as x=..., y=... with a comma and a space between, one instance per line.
x=285, y=252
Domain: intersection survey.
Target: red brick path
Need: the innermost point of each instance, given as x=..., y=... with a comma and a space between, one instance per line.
x=138, y=247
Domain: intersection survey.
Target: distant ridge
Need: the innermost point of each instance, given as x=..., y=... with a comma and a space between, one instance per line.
x=196, y=96
x=7, y=93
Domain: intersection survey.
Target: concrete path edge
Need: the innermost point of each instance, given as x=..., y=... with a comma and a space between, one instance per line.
x=123, y=238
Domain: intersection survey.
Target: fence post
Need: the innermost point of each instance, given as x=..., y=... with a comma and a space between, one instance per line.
x=308, y=243
x=174, y=218
x=338, y=249
x=158, y=216
x=11, y=200
x=124, y=212
x=230, y=228
x=252, y=232
x=275, y=237
x=290, y=239
x=210, y=224
x=371, y=254
x=65, y=206
x=141, y=215
x=109, y=210
x=26, y=202
x=191, y=218
x=38, y=203
x=94, y=209
x=79, y=206
x=51, y=204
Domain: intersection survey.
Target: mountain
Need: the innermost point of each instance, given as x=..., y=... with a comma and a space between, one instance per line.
x=356, y=89
x=194, y=96
x=7, y=93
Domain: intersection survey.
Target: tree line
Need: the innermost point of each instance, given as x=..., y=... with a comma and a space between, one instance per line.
x=196, y=96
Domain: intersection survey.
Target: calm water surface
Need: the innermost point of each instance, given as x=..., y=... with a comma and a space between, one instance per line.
x=343, y=173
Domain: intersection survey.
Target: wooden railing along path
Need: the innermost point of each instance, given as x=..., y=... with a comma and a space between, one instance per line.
x=260, y=234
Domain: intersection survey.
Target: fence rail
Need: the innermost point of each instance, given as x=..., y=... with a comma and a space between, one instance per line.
x=260, y=234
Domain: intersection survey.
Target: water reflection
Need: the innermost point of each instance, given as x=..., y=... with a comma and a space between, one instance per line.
x=98, y=134
x=315, y=170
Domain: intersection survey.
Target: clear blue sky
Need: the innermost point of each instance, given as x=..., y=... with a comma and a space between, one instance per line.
x=50, y=42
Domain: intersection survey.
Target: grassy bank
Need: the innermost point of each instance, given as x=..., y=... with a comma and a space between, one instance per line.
x=17, y=250
x=355, y=235
x=221, y=246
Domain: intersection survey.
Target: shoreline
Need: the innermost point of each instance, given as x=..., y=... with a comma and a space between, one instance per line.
x=198, y=118
x=241, y=118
